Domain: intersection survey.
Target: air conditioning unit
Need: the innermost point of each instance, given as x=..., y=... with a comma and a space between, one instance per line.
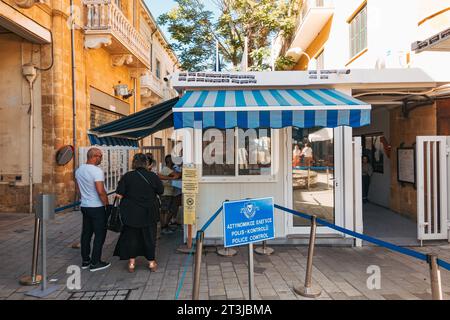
x=121, y=90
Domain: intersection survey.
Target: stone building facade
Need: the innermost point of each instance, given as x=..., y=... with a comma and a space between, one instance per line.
x=110, y=50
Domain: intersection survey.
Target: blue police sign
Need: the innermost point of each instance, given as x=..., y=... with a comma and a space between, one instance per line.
x=248, y=221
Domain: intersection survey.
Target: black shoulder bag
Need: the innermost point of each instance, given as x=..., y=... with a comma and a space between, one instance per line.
x=115, y=221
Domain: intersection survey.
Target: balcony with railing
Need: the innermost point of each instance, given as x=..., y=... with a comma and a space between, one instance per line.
x=312, y=18
x=106, y=25
x=155, y=90
x=152, y=89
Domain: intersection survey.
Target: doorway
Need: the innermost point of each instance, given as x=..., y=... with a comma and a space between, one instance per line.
x=313, y=174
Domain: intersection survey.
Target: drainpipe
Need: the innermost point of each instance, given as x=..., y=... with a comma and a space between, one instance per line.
x=74, y=100
x=135, y=95
x=151, y=50
x=29, y=72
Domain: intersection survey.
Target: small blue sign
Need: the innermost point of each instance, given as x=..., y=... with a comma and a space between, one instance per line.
x=248, y=221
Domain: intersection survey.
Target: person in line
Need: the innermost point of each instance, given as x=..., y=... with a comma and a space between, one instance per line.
x=167, y=174
x=94, y=200
x=367, y=172
x=139, y=208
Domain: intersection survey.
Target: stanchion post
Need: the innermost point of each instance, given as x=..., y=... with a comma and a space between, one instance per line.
x=328, y=177
x=435, y=277
x=251, y=276
x=189, y=236
x=34, y=278
x=198, y=264
x=307, y=290
x=309, y=175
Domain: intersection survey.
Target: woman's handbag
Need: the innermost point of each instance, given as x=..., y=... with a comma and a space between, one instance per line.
x=115, y=221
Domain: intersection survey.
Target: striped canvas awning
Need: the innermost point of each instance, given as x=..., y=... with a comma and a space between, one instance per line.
x=303, y=108
x=127, y=131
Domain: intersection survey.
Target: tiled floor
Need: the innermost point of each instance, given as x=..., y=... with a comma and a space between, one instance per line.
x=340, y=273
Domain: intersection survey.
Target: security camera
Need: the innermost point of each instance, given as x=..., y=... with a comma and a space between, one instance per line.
x=168, y=78
x=129, y=94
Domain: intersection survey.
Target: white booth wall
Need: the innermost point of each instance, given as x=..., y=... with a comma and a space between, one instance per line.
x=213, y=191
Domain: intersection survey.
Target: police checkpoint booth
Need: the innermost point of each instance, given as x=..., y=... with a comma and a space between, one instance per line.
x=286, y=135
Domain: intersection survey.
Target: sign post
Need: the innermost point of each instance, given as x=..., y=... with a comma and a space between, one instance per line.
x=190, y=191
x=246, y=222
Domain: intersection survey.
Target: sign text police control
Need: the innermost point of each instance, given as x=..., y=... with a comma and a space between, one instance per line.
x=248, y=221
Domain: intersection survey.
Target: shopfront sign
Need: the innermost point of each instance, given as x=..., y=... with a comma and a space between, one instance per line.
x=248, y=221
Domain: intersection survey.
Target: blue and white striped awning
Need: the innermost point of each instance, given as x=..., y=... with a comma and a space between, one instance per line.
x=303, y=108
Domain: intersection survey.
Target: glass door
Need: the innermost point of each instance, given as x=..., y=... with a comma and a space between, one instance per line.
x=314, y=177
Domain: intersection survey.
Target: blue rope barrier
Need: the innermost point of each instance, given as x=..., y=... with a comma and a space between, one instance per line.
x=183, y=276
x=213, y=217
x=203, y=229
x=74, y=204
x=443, y=264
x=381, y=243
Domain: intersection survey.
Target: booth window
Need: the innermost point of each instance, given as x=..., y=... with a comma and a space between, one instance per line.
x=236, y=152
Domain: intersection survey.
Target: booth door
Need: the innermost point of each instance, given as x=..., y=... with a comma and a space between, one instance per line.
x=314, y=174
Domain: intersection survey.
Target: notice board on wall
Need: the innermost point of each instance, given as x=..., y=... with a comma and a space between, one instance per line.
x=406, y=165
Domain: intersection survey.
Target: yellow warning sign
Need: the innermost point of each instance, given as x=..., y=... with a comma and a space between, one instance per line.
x=190, y=180
x=190, y=174
x=189, y=207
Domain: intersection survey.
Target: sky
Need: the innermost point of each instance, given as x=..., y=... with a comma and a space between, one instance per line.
x=158, y=7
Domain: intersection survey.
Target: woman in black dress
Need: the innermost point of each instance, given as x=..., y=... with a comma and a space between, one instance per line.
x=139, y=208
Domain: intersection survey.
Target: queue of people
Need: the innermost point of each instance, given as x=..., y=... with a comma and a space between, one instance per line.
x=146, y=199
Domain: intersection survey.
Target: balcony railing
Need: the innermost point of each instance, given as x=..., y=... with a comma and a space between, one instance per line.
x=103, y=17
x=154, y=90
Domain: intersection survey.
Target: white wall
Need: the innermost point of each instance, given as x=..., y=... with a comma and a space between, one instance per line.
x=212, y=194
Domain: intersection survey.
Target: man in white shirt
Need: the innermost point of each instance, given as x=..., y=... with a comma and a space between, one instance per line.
x=94, y=200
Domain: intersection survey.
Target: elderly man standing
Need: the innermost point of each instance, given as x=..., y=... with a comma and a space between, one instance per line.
x=94, y=200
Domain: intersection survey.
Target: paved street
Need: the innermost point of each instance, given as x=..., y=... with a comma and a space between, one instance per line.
x=339, y=272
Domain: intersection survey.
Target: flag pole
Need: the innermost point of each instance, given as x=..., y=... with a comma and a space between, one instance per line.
x=217, y=56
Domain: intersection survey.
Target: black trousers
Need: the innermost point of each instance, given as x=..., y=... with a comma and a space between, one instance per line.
x=365, y=186
x=94, y=223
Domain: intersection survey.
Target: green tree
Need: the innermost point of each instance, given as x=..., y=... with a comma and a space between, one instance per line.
x=195, y=32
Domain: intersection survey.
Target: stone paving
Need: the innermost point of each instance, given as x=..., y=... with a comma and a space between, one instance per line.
x=340, y=272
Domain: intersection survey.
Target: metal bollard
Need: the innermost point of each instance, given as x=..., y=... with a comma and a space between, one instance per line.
x=307, y=290
x=34, y=278
x=198, y=264
x=435, y=277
